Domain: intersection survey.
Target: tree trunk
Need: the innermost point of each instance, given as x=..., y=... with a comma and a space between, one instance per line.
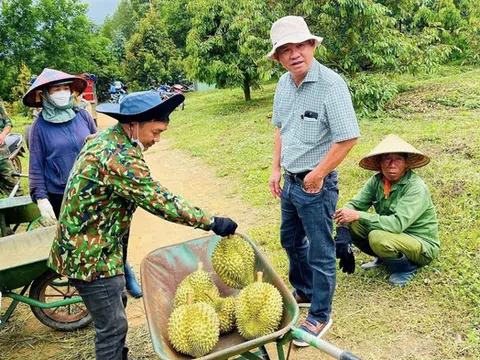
x=246, y=86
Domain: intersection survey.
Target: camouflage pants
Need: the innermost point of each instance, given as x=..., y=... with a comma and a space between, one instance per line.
x=7, y=181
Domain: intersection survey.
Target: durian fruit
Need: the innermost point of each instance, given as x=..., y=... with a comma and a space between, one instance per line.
x=199, y=284
x=258, y=309
x=233, y=259
x=225, y=309
x=193, y=329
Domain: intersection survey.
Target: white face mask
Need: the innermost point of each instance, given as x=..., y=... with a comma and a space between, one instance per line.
x=61, y=98
x=137, y=140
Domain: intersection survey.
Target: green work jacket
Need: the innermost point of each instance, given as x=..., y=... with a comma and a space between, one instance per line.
x=409, y=209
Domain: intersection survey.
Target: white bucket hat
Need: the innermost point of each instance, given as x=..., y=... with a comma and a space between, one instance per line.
x=394, y=144
x=290, y=29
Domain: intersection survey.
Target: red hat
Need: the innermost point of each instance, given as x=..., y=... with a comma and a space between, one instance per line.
x=50, y=77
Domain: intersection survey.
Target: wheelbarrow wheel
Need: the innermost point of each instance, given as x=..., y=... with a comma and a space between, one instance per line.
x=50, y=287
x=17, y=164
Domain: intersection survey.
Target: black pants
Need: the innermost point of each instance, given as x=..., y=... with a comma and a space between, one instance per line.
x=56, y=201
x=106, y=300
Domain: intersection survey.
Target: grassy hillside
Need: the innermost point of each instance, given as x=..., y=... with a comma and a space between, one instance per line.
x=438, y=315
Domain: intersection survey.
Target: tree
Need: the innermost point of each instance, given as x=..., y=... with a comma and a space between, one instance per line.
x=17, y=26
x=151, y=55
x=23, y=84
x=177, y=19
x=117, y=47
x=228, y=43
x=62, y=36
x=123, y=20
x=48, y=33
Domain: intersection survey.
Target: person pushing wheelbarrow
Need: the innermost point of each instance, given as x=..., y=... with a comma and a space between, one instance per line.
x=109, y=180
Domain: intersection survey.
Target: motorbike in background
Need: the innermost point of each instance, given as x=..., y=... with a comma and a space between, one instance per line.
x=117, y=97
x=167, y=91
x=15, y=145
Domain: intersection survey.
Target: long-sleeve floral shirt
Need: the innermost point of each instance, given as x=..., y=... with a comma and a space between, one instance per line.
x=108, y=181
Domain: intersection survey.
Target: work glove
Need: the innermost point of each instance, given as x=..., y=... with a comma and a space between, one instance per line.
x=223, y=226
x=46, y=210
x=344, y=250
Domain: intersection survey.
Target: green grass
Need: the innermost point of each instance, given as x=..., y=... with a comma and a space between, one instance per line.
x=438, y=315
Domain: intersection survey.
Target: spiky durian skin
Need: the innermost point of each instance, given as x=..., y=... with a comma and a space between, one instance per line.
x=225, y=309
x=258, y=310
x=234, y=261
x=194, y=329
x=200, y=285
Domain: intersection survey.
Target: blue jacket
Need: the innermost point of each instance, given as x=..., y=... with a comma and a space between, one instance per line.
x=53, y=150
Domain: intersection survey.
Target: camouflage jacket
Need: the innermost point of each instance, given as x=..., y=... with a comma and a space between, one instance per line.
x=4, y=121
x=108, y=181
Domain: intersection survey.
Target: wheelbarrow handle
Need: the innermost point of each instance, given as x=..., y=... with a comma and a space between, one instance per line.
x=348, y=356
x=322, y=345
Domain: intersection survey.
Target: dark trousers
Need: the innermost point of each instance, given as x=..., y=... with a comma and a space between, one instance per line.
x=306, y=235
x=106, y=300
x=56, y=201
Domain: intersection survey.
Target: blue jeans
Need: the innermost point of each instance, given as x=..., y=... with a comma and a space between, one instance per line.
x=306, y=235
x=106, y=299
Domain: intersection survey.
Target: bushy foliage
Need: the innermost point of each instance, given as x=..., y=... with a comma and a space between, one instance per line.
x=47, y=33
x=151, y=56
x=370, y=92
x=124, y=21
x=117, y=46
x=23, y=84
x=177, y=19
x=227, y=40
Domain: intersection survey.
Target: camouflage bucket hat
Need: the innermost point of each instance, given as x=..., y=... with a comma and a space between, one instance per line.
x=141, y=107
x=50, y=77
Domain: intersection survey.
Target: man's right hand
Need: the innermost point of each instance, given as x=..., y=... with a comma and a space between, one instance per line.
x=223, y=226
x=274, y=183
x=46, y=210
x=346, y=216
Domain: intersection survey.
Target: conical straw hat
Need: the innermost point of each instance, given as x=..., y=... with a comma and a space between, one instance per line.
x=394, y=144
x=50, y=77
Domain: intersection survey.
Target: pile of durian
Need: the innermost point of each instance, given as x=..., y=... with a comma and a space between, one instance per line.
x=200, y=315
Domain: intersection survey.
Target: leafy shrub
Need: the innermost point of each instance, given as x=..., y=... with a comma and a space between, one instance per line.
x=370, y=92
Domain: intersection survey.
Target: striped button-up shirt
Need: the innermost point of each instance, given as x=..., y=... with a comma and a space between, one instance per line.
x=312, y=117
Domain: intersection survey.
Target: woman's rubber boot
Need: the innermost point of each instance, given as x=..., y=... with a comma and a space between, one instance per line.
x=402, y=270
x=132, y=285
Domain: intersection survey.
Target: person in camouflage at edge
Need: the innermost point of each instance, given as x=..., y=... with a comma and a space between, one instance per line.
x=109, y=179
x=7, y=181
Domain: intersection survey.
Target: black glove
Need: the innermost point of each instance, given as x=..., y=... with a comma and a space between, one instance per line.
x=224, y=226
x=344, y=251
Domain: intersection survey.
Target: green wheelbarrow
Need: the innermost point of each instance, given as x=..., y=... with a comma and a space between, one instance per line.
x=163, y=269
x=23, y=265
x=15, y=211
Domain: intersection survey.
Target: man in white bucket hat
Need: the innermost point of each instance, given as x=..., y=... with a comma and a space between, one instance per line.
x=403, y=232
x=316, y=127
